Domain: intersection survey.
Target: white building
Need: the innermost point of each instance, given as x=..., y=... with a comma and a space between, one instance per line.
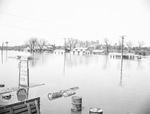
x=59, y=51
x=80, y=51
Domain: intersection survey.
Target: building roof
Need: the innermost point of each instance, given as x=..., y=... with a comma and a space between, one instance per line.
x=98, y=51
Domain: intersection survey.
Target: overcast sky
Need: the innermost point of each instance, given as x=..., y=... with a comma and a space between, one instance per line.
x=54, y=20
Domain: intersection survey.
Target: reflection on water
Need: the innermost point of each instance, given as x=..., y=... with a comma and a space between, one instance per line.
x=80, y=112
x=97, y=76
x=2, y=56
x=6, y=55
x=77, y=60
x=121, y=71
x=64, y=63
x=106, y=62
x=139, y=64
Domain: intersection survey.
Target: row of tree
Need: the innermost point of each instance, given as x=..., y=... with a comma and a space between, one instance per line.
x=107, y=45
x=33, y=43
x=127, y=45
x=71, y=43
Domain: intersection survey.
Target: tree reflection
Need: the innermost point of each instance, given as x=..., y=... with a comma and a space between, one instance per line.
x=76, y=60
x=106, y=62
x=139, y=64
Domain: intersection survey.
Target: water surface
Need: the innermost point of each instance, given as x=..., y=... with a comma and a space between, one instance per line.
x=99, y=78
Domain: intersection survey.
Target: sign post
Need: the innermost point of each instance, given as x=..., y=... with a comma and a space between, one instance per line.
x=23, y=72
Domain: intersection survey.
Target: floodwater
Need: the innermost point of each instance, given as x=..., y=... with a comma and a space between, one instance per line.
x=99, y=78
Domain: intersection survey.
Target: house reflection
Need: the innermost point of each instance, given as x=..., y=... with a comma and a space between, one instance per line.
x=105, y=62
x=75, y=60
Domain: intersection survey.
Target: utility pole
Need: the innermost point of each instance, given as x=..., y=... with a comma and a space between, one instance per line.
x=2, y=46
x=121, y=60
x=122, y=44
x=6, y=45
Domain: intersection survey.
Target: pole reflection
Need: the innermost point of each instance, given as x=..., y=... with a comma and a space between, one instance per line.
x=121, y=61
x=64, y=63
x=2, y=56
x=2, y=52
x=6, y=55
x=121, y=71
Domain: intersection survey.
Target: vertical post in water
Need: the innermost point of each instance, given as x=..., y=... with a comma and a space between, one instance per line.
x=121, y=60
x=28, y=72
x=64, y=54
x=64, y=45
x=2, y=46
x=2, y=52
x=122, y=46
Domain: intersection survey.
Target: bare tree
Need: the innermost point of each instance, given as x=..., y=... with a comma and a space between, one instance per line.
x=31, y=43
x=129, y=46
x=71, y=43
x=41, y=43
x=87, y=44
x=81, y=44
x=107, y=44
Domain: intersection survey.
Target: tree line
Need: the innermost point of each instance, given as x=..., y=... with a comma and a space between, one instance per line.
x=107, y=45
x=71, y=43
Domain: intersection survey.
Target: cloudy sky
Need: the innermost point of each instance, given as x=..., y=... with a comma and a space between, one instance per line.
x=54, y=20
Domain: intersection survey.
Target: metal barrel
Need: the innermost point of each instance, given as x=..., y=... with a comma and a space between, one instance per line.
x=55, y=95
x=95, y=111
x=76, y=103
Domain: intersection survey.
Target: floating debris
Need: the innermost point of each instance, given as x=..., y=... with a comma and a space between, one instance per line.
x=75, y=88
x=55, y=95
x=2, y=85
x=64, y=93
x=67, y=93
x=7, y=97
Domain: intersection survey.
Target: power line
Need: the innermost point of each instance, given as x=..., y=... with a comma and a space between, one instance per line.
x=21, y=16
x=12, y=26
x=26, y=29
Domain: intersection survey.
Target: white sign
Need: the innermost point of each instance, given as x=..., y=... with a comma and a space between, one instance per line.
x=23, y=73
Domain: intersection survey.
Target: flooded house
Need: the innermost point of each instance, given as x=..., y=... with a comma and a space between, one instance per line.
x=81, y=51
x=59, y=51
x=98, y=52
x=27, y=49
